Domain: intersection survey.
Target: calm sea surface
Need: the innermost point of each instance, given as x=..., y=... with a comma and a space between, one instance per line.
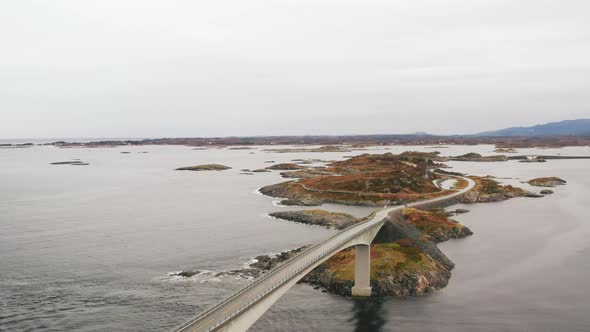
x=91, y=248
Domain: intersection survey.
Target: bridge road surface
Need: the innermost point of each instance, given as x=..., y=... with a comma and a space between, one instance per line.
x=223, y=312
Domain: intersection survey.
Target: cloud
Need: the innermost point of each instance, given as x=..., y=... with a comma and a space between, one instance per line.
x=196, y=68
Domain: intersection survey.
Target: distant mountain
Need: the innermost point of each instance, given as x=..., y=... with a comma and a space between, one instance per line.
x=578, y=127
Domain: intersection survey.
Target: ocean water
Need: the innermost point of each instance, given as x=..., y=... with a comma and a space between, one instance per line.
x=91, y=248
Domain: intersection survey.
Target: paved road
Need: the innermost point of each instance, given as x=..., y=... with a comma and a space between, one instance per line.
x=233, y=306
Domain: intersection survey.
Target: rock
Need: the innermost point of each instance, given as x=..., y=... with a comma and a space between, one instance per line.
x=547, y=182
x=305, y=173
x=546, y=192
x=285, y=167
x=435, y=224
x=187, y=274
x=317, y=217
x=505, y=150
x=403, y=271
x=533, y=160
x=241, y=148
x=261, y=170
x=206, y=167
x=489, y=190
x=300, y=202
x=460, y=211
x=73, y=163
x=472, y=156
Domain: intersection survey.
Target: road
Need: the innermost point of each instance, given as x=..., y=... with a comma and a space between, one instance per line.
x=293, y=268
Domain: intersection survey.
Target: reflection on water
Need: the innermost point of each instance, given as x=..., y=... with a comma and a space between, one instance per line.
x=368, y=315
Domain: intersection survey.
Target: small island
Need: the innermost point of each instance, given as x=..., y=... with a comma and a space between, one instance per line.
x=285, y=167
x=547, y=182
x=317, y=217
x=72, y=163
x=206, y=167
x=472, y=156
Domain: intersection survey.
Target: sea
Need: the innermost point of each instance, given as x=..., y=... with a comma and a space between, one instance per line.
x=96, y=247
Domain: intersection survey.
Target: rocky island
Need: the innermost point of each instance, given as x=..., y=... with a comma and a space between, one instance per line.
x=72, y=163
x=472, y=156
x=547, y=182
x=317, y=217
x=206, y=167
x=488, y=190
x=370, y=180
x=285, y=167
x=404, y=257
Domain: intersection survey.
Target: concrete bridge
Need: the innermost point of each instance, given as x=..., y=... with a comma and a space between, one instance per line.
x=241, y=310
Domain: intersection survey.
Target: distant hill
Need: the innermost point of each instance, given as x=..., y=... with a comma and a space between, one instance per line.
x=578, y=127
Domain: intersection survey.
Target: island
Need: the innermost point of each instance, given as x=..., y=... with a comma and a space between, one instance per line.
x=405, y=259
x=547, y=182
x=205, y=167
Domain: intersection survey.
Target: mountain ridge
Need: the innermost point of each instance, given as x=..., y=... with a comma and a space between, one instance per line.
x=576, y=127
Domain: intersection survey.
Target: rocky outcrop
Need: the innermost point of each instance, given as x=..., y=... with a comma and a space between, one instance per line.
x=285, y=167
x=317, y=217
x=206, y=167
x=505, y=150
x=261, y=170
x=404, y=262
x=435, y=224
x=547, y=182
x=300, y=202
x=489, y=190
x=396, y=270
x=472, y=156
x=259, y=265
x=533, y=160
x=305, y=173
x=72, y=163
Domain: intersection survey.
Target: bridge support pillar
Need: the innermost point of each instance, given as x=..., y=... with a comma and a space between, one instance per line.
x=362, y=270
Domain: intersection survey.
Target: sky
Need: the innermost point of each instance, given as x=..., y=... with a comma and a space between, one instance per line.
x=175, y=68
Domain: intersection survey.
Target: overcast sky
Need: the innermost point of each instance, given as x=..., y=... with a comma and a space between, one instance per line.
x=147, y=68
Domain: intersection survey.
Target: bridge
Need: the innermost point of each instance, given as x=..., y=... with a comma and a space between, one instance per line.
x=241, y=310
